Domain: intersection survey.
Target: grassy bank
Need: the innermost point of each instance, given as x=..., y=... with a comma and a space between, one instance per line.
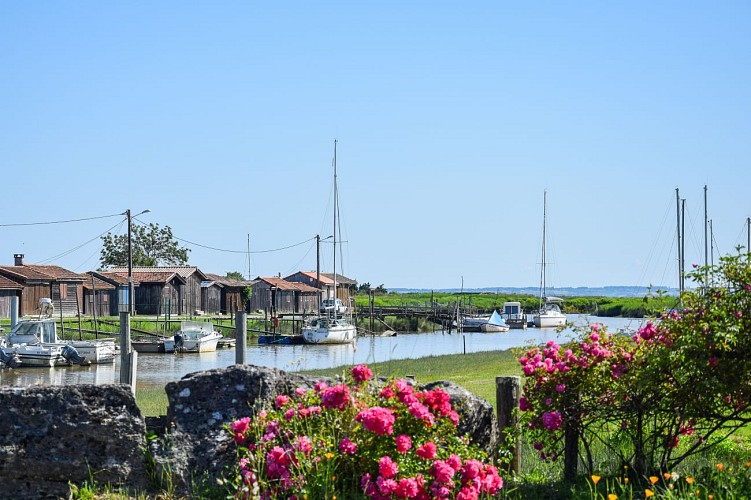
x=627, y=307
x=476, y=372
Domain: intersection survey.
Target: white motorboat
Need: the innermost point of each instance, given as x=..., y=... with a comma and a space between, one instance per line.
x=35, y=342
x=331, y=327
x=193, y=336
x=514, y=315
x=549, y=315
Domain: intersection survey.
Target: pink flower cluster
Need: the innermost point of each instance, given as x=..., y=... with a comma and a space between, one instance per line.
x=472, y=477
x=397, y=438
x=378, y=420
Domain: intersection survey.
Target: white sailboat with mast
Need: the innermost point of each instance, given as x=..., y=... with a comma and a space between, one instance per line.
x=549, y=315
x=331, y=327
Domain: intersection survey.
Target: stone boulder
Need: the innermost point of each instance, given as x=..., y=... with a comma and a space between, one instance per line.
x=197, y=447
x=53, y=435
x=477, y=418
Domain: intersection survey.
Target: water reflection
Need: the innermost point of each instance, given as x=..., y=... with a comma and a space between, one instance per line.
x=159, y=369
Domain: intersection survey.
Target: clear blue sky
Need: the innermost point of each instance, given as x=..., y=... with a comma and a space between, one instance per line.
x=452, y=119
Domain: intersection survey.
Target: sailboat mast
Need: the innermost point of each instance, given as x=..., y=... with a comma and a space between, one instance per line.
x=336, y=208
x=543, y=284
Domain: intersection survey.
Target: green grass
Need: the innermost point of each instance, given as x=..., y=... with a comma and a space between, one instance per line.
x=151, y=400
x=475, y=372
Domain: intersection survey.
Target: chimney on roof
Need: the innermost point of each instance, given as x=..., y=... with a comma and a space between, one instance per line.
x=18, y=257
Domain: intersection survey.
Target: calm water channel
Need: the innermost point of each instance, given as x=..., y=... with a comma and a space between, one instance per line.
x=158, y=369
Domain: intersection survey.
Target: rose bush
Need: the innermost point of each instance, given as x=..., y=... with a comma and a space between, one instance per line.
x=673, y=389
x=358, y=439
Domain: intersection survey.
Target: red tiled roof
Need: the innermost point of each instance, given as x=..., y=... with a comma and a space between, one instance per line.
x=7, y=283
x=56, y=272
x=289, y=286
x=98, y=284
x=225, y=281
x=325, y=280
x=40, y=273
x=119, y=278
x=155, y=277
x=182, y=271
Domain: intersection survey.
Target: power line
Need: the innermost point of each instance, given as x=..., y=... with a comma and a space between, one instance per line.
x=243, y=251
x=57, y=221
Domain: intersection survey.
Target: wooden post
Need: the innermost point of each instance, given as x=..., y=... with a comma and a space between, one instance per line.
x=132, y=370
x=570, y=452
x=241, y=337
x=124, y=347
x=78, y=313
x=507, y=394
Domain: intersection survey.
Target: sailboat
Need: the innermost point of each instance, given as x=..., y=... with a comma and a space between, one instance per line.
x=332, y=326
x=549, y=315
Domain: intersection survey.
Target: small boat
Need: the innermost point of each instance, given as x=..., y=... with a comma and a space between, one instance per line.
x=494, y=324
x=281, y=339
x=148, y=346
x=35, y=342
x=514, y=315
x=193, y=336
x=329, y=330
x=331, y=327
x=549, y=315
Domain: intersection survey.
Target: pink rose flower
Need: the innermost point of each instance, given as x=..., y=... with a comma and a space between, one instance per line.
x=403, y=443
x=426, y=451
x=361, y=373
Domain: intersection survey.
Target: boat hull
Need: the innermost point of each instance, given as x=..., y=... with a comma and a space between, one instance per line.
x=37, y=355
x=549, y=320
x=326, y=333
x=95, y=351
x=490, y=328
x=147, y=346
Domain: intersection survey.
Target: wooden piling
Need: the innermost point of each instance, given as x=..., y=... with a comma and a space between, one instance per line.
x=507, y=394
x=124, y=347
x=241, y=337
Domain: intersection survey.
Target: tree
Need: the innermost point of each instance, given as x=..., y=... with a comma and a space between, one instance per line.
x=364, y=288
x=150, y=245
x=235, y=275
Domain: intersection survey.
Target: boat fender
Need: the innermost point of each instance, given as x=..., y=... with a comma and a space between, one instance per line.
x=179, y=341
x=71, y=355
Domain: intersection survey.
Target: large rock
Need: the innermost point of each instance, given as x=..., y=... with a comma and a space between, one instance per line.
x=197, y=447
x=477, y=418
x=53, y=435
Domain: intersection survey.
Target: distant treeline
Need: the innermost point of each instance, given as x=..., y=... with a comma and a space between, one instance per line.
x=479, y=303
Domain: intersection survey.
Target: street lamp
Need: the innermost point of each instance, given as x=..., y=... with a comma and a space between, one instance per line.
x=131, y=299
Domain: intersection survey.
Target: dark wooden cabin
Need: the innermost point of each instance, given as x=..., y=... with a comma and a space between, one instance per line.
x=64, y=287
x=8, y=290
x=283, y=297
x=185, y=299
x=119, y=282
x=231, y=293
x=344, y=286
x=100, y=296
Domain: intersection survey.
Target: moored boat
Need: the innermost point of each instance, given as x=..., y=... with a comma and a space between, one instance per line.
x=193, y=336
x=494, y=324
x=549, y=315
x=514, y=315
